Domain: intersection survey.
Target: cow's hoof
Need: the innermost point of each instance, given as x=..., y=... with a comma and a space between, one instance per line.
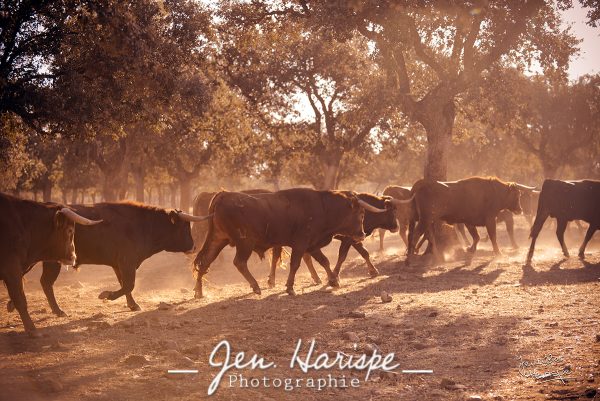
x=373, y=273
x=581, y=255
x=566, y=254
x=59, y=313
x=271, y=283
x=256, y=290
x=317, y=281
x=134, y=307
x=10, y=306
x=334, y=282
x=104, y=295
x=291, y=291
x=198, y=294
x=33, y=333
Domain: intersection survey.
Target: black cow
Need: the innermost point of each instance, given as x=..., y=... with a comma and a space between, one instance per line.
x=567, y=201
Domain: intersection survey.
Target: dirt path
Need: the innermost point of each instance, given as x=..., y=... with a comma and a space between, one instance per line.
x=469, y=324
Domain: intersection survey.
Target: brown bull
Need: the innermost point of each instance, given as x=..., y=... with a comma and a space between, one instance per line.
x=474, y=201
x=303, y=219
x=130, y=234
x=31, y=232
x=403, y=212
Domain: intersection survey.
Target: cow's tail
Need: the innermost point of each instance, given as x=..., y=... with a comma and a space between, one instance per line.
x=209, y=233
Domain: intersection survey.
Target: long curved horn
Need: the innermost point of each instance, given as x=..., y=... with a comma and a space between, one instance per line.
x=402, y=201
x=369, y=207
x=535, y=191
x=191, y=218
x=71, y=215
x=524, y=187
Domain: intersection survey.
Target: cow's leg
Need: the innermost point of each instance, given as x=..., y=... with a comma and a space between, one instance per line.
x=275, y=259
x=295, y=260
x=342, y=255
x=130, y=301
x=561, y=226
x=402, y=229
x=50, y=272
x=360, y=248
x=540, y=218
x=311, y=268
x=414, y=233
x=435, y=250
x=460, y=228
x=475, y=235
x=490, y=225
x=126, y=277
x=13, y=278
x=202, y=263
x=381, y=235
x=322, y=259
x=588, y=236
x=242, y=254
x=509, y=222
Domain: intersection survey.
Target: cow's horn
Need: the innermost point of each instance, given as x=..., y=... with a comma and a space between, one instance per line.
x=71, y=215
x=402, y=201
x=369, y=207
x=524, y=187
x=191, y=218
x=535, y=191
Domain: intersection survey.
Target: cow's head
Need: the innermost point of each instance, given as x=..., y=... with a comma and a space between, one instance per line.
x=388, y=219
x=179, y=237
x=61, y=242
x=350, y=216
x=513, y=199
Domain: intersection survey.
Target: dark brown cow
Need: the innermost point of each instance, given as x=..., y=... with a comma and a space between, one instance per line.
x=567, y=201
x=474, y=201
x=403, y=212
x=373, y=219
x=130, y=234
x=31, y=232
x=304, y=219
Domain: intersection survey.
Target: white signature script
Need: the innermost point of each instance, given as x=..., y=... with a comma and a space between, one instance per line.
x=530, y=369
x=221, y=357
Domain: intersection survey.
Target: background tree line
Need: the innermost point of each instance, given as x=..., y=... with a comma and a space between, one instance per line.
x=155, y=100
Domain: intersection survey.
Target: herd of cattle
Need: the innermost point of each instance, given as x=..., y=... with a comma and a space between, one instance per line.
x=122, y=235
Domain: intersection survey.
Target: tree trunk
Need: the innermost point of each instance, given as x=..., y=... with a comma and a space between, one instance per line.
x=436, y=113
x=161, y=196
x=139, y=177
x=331, y=171
x=173, y=188
x=185, y=193
x=47, y=190
x=438, y=125
x=64, y=196
x=35, y=195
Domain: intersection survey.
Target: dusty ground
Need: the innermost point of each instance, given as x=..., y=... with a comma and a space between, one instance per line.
x=469, y=324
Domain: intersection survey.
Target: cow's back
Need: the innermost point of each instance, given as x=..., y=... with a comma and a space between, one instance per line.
x=573, y=200
x=397, y=192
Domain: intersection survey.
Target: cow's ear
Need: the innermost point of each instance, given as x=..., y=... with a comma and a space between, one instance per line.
x=173, y=216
